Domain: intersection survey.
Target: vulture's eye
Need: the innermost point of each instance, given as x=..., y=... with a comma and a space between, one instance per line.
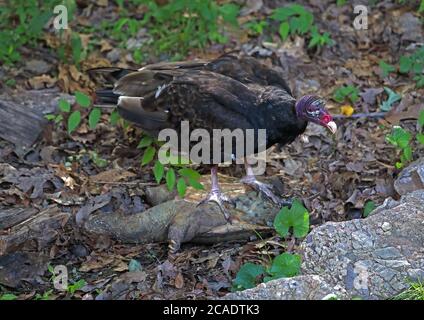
x=312, y=111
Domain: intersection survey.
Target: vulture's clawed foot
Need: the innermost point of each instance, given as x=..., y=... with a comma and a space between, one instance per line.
x=265, y=189
x=219, y=198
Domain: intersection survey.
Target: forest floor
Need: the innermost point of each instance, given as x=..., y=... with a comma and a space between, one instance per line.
x=334, y=175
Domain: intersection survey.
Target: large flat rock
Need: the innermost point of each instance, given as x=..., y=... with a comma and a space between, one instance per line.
x=372, y=258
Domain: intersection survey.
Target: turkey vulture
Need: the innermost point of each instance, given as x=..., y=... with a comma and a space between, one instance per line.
x=228, y=92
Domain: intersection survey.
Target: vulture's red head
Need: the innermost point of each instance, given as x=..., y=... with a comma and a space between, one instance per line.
x=312, y=108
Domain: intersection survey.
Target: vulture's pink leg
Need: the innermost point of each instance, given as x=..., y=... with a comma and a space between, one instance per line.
x=215, y=194
x=266, y=189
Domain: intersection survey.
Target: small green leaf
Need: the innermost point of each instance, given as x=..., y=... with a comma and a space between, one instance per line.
x=146, y=141
x=420, y=81
x=368, y=208
x=170, y=179
x=50, y=268
x=421, y=118
x=158, y=171
x=297, y=217
x=283, y=266
x=50, y=116
x=399, y=137
x=77, y=49
x=94, y=117
x=58, y=118
x=420, y=138
x=392, y=98
x=407, y=152
x=229, y=12
x=64, y=106
x=82, y=99
x=181, y=187
x=189, y=173
x=134, y=266
x=386, y=68
x=73, y=121
x=350, y=92
x=148, y=155
x=247, y=276
x=98, y=161
x=195, y=184
x=8, y=297
x=114, y=117
x=405, y=64
x=399, y=165
x=284, y=30
x=421, y=8
x=77, y=286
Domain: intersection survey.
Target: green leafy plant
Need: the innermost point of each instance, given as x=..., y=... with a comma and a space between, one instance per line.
x=134, y=266
x=21, y=24
x=293, y=220
x=45, y=296
x=179, y=25
x=412, y=64
x=402, y=140
x=176, y=175
x=346, y=92
x=76, y=286
x=414, y=292
x=256, y=27
x=97, y=160
x=8, y=297
x=318, y=39
x=392, y=97
x=285, y=265
x=368, y=208
x=73, y=113
x=295, y=19
x=248, y=276
x=386, y=68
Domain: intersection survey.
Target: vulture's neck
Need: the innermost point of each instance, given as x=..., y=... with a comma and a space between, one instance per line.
x=282, y=124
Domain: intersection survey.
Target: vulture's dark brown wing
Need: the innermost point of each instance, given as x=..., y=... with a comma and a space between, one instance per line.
x=244, y=69
x=158, y=99
x=248, y=70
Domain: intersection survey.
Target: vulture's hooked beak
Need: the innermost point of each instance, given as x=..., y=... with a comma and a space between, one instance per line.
x=332, y=126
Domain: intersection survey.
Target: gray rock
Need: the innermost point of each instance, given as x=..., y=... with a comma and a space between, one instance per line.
x=411, y=28
x=38, y=67
x=114, y=55
x=372, y=258
x=411, y=178
x=309, y=287
x=25, y=111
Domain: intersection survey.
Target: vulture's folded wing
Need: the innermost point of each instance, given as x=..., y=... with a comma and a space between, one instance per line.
x=244, y=69
x=167, y=97
x=248, y=70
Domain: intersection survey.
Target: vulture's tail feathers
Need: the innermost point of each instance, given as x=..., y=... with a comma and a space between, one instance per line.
x=131, y=109
x=109, y=74
x=107, y=77
x=106, y=96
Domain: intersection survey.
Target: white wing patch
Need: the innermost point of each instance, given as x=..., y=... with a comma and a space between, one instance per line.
x=159, y=90
x=126, y=99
